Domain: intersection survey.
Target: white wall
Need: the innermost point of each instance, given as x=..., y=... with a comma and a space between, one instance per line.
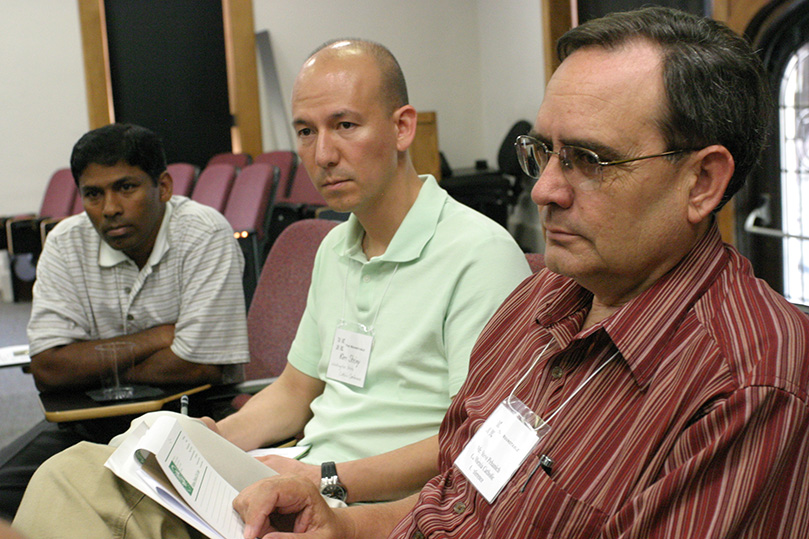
x=477, y=63
x=44, y=110
x=512, y=68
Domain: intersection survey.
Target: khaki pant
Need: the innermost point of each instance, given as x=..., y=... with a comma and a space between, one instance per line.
x=73, y=495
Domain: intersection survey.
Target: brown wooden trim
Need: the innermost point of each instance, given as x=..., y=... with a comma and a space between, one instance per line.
x=737, y=14
x=424, y=149
x=240, y=50
x=556, y=20
x=96, y=62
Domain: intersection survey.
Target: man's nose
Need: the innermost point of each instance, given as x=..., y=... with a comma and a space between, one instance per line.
x=326, y=154
x=552, y=187
x=111, y=205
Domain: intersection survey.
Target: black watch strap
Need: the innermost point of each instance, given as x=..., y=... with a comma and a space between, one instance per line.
x=328, y=470
x=330, y=484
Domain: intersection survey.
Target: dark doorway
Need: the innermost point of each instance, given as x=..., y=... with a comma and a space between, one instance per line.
x=168, y=73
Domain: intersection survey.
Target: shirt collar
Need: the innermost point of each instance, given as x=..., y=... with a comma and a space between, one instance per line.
x=109, y=257
x=642, y=327
x=416, y=230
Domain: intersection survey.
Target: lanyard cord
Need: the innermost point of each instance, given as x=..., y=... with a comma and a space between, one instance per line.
x=575, y=392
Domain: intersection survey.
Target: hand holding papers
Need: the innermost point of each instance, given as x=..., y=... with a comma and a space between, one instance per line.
x=188, y=469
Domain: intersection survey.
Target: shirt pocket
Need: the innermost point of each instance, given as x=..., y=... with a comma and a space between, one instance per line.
x=546, y=510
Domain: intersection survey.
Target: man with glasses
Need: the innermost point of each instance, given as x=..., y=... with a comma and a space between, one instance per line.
x=645, y=384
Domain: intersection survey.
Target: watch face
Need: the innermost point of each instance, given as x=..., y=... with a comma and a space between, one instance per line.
x=337, y=492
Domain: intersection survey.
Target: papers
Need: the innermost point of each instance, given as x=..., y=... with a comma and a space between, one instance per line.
x=188, y=469
x=14, y=356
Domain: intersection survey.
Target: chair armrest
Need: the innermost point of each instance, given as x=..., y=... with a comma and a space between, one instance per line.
x=23, y=236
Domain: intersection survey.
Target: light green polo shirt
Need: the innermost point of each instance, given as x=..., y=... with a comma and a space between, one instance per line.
x=455, y=267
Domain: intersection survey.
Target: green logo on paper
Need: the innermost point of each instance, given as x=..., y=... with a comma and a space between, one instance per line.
x=176, y=471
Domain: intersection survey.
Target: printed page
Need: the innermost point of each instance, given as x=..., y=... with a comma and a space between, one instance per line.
x=149, y=433
x=124, y=463
x=207, y=492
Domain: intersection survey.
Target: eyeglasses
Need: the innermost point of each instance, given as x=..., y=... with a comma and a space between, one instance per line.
x=581, y=167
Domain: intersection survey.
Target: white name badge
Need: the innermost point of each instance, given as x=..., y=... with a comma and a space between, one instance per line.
x=350, y=354
x=494, y=453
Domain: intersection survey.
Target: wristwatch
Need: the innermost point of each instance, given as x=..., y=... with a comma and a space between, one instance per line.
x=330, y=484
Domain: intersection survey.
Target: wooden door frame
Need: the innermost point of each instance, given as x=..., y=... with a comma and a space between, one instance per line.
x=242, y=73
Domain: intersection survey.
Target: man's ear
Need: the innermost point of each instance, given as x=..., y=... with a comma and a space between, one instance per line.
x=405, y=119
x=166, y=186
x=713, y=167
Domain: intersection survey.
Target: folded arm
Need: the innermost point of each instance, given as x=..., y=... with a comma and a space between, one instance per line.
x=75, y=365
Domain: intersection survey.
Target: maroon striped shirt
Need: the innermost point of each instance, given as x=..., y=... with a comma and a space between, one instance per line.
x=699, y=428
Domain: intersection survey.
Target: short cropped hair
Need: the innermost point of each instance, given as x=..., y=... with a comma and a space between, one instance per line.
x=393, y=88
x=715, y=84
x=115, y=143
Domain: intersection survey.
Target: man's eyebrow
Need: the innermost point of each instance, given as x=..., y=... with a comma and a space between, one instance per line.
x=543, y=139
x=605, y=152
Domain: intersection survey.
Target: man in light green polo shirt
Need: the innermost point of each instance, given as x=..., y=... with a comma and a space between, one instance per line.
x=399, y=295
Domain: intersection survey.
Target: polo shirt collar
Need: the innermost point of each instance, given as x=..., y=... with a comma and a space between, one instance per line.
x=642, y=327
x=412, y=236
x=109, y=257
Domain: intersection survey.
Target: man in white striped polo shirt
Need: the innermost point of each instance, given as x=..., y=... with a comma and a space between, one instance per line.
x=139, y=265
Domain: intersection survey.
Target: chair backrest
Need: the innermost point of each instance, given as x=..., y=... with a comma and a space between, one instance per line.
x=280, y=296
x=536, y=261
x=238, y=160
x=287, y=163
x=57, y=202
x=303, y=192
x=183, y=176
x=214, y=185
x=253, y=192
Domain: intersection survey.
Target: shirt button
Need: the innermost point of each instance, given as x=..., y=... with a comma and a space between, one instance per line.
x=366, y=279
x=130, y=317
x=418, y=535
x=557, y=372
x=459, y=508
x=128, y=290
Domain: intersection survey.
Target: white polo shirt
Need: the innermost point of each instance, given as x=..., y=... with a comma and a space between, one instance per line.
x=86, y=290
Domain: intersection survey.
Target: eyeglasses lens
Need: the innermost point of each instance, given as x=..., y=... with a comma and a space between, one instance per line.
x=579, y=165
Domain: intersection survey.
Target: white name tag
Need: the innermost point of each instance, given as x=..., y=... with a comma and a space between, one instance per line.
x=494, y=453
x=350, y=354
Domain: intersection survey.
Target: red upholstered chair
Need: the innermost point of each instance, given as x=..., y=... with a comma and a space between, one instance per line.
x=253, y=193
x=238, y=160
x=279, y=301
x=287, y=163
x=299, y=201
x=536, y=261
x=213, y=186
x=22, y=234
x=183, y=176
x=303, y=192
